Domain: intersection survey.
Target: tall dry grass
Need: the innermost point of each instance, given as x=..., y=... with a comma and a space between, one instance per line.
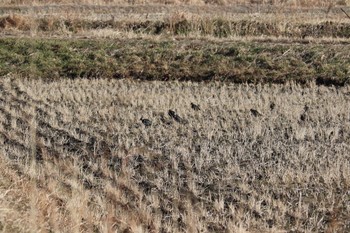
x=298, y=3
x=287, y=20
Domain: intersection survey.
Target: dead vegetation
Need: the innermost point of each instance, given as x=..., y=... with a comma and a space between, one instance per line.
x=171, y=22
x=87, y=20
x=175, y=25
x=16, y=22
x=299, y=3
x=76, y=157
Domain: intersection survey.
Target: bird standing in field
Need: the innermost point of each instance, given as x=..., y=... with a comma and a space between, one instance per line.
x=195, y=107
x=146, y=122
x=173, y=115
x=165, y=120
x=255, y=112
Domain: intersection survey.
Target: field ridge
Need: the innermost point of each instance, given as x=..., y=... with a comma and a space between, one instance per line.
x=183, y=60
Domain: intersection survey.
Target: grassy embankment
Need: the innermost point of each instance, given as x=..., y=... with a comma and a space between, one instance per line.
x=196, y=60
x=163, y=43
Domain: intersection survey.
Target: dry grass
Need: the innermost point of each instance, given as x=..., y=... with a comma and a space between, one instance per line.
x=179, y=24
x=229, y=21
x=262, y=158
x=300, y=3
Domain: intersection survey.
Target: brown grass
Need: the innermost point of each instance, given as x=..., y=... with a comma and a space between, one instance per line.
x=176, y=24
x=15, y=22
x=301, y=3
x=117, y=21
x=76, y=157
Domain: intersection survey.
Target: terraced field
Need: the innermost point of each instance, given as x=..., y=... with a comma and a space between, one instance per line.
x=77, y=157
x=174, y=116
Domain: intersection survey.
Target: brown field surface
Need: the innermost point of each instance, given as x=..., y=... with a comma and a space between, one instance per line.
x=253, y=158
x=174, y=116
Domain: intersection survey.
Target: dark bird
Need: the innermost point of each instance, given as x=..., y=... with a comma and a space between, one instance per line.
x=272, y=106
x=165, y=120
x=146, y=122
x=303, y=116
x=195, y=107
x=255, y=112
x=176, y=117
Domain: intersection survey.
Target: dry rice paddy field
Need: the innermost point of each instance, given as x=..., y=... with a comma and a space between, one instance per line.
x=174, y=116
x=253, y=158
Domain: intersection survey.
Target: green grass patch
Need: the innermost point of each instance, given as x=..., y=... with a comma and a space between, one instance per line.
x=193, y=60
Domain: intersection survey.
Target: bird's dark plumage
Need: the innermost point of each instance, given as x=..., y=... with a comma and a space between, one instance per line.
x=304, y=115
x=195, y=107
x=173, y=115
x=146, y=122
x=255, y=112
x=165, y=120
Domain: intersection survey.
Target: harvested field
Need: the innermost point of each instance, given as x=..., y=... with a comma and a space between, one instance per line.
x=176, y=25
x=272, y=158
x=234, y=20
x=174, y=116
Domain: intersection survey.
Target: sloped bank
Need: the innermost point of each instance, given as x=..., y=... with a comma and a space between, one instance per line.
x=183, y=60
